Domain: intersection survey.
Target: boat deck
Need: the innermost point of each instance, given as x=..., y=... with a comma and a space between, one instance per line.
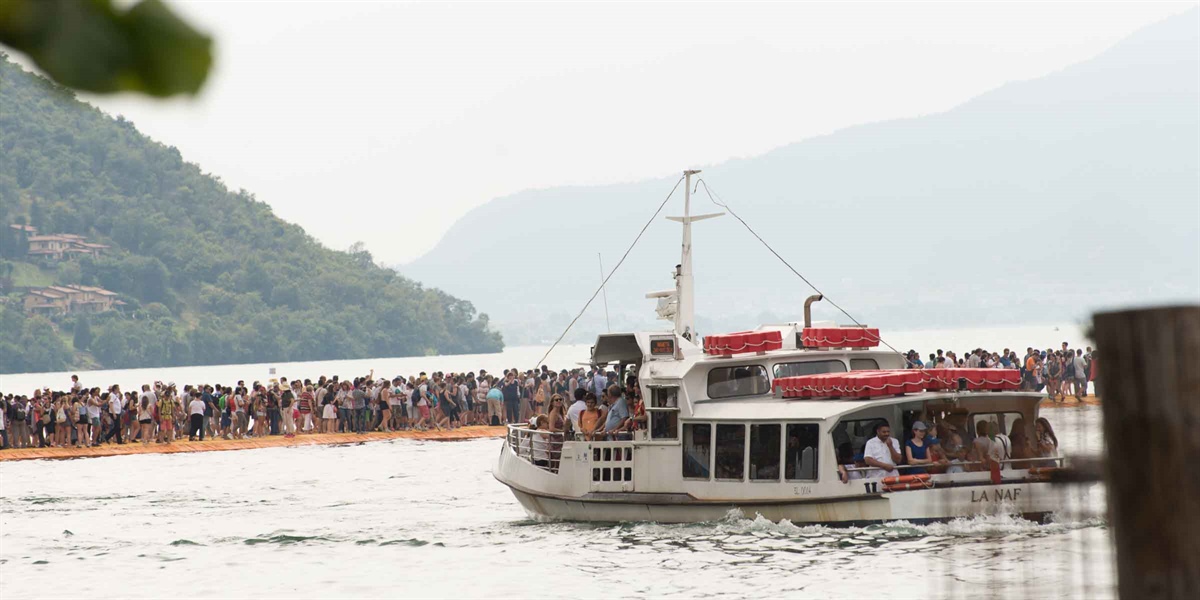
x=275, y=441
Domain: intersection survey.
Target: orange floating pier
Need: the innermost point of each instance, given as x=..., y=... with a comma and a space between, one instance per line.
x=274, y=441
x=1071, y=402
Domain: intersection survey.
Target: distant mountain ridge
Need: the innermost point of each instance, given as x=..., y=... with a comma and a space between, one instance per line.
x=1042, y=199
x=208, y=276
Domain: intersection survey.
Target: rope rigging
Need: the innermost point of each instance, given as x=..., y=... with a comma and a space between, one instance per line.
x=716, y=199
x=610, y=273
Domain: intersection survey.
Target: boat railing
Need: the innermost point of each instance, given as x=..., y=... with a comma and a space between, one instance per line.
x=540, y=448
x=1049, y=461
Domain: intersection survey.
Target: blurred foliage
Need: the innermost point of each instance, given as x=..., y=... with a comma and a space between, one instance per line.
x=209, y=276
x=95, y=46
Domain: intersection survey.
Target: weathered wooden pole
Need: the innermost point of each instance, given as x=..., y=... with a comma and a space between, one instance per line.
x=1149, y=382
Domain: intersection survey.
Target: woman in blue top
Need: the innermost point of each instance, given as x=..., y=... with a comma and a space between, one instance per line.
x=916, y=450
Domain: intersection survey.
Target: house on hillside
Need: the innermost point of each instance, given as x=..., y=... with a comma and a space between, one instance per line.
x=67, y=299
x=27, y=229
x=46, y=302
x=91, y=299
x=63, y=245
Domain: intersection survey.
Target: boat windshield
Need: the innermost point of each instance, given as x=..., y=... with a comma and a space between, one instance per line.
x=811, y=367
x=740, y=380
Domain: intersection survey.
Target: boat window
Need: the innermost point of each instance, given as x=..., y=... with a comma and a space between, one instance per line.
x=764, y=452
x=863, y=364
x=812, y=367
x=1003, y=420
x=663, y=411
x=731, y=451
x=664, y=397
x=854, y=433
x=801, y=451
x=697, y=441
x=742, y=380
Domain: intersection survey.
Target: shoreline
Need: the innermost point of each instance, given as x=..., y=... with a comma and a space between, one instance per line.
x=276, y=441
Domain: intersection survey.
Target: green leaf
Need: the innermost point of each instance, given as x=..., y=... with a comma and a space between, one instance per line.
x=90, y=45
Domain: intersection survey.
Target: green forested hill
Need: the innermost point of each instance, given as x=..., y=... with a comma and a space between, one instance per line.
x=209, y=275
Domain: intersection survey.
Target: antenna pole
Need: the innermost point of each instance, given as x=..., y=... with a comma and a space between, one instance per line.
x=604, y=291
x=685, y=317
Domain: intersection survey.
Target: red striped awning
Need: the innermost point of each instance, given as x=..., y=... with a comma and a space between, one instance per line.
x=741, y=342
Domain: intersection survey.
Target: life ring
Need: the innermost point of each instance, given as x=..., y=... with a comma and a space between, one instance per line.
x=1045, y=471
x=920, y=477
x=915, y=485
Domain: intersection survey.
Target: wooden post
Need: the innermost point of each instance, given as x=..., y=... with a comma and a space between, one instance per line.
x=1149, y=381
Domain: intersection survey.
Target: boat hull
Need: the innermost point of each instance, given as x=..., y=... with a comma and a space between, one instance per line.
x=1035, y=501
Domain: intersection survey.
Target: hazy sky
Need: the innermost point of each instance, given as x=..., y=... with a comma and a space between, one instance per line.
x=385, y=122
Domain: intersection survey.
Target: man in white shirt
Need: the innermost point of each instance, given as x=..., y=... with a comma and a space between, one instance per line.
x=94, y=406
x=882, y=452
x=599, y=383
x=115, y=408
x=973, y=360
x=576, y=409
x=196, y=418
x=1080, y=375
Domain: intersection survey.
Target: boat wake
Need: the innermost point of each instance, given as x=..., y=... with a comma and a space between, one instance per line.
x=737, y=523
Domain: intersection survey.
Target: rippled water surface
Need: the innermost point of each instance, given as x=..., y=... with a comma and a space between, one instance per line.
x=426, y=519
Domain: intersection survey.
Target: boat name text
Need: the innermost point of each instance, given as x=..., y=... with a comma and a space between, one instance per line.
x=996, y=495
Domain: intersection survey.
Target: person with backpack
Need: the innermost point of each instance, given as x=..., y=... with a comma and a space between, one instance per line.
x=145, y=413
x=225, y=420
x=166, y=417
x=285, y=409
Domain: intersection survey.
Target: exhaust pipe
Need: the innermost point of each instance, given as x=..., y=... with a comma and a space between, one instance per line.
x=808, y=308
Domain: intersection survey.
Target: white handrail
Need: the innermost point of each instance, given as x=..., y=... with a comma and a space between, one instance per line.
x=962, y=464
x=538, y=447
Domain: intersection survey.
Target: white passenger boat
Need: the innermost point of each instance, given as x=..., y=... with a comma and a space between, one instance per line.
x=756, y=422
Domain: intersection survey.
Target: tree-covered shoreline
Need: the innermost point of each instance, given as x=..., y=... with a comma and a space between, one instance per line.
x=209, y=276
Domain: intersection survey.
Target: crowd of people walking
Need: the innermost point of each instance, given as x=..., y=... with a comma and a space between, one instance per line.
x=1060, y=372
x=164, y=412
x=590, y=402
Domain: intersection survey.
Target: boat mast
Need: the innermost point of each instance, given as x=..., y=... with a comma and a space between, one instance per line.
x=685, y=318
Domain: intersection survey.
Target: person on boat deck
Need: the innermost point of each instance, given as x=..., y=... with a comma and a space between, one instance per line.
x=1047, y=442
x=637, y=409
x=936, y=454
x=847, y=460
x=540, y=442
x=914, y=360
x=982, y=444
x=617, y=419
x=599, y=382
x=882, y=452
x=589, y=419
x=1021, y=446
x=577, y=409
x=916, y=449
x=952, y=446
x=999, y=447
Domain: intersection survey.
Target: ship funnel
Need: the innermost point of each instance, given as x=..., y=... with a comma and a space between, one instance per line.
x=808, y=308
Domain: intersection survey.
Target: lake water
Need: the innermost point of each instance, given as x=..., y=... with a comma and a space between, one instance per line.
x=426, y=519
